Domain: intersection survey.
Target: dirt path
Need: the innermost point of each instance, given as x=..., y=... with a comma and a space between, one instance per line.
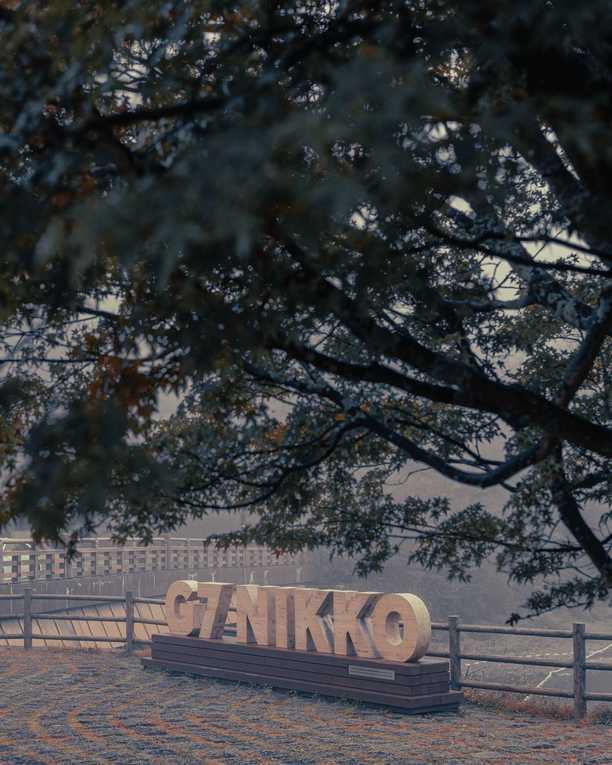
x=91, y=707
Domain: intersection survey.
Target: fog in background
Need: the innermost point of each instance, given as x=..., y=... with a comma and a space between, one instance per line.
x=487, y=598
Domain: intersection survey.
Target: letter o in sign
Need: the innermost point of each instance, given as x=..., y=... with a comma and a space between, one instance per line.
x=401, y=627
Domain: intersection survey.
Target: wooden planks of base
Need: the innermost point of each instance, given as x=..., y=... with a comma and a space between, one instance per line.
x=412, y=688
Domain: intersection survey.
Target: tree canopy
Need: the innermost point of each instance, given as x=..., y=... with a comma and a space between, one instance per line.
x=361, y=240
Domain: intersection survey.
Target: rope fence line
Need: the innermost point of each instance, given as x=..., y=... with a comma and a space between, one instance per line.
x=580, y=663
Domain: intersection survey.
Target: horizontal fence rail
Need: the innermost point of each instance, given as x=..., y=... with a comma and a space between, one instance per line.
x=579, y=663
x=21, y=560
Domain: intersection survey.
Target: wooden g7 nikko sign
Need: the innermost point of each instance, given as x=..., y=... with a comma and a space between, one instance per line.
x=366, y=624
x=359, y=645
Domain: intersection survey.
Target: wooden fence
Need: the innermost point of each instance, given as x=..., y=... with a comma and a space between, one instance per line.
x=579, y=664
x=578, y=635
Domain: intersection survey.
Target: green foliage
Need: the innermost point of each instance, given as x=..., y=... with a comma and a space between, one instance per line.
x=358, y=239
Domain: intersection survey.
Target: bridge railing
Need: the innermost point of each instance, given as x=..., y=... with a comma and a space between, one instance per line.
x=579, y=663
x=21, y=560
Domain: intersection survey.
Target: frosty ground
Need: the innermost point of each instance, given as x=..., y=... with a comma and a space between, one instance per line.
x=96, y=707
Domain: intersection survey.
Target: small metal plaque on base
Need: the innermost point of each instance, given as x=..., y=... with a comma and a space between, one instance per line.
x=372, y=672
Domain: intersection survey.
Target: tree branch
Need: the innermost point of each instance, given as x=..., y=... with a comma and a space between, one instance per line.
x=472, y=388
x=572, y=518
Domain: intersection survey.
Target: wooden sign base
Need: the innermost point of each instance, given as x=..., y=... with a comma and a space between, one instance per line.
x=410, y=687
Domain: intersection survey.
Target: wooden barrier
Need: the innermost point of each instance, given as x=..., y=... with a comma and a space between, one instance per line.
x=348, y=644
x=410, y=687
x=579, y=663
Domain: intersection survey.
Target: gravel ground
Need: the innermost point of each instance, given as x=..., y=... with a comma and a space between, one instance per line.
x=86, y=707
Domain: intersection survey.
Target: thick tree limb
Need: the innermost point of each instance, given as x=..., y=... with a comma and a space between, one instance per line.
x=584, y=358
x=508, y=470
x=471, y=388
x=571, y=516
x=487, y=478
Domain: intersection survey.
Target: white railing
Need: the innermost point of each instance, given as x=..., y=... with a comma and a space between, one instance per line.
x=21, y=560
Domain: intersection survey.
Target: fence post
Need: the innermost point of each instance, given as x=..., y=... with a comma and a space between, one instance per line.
x=33, y=567
x=580, y=704
x=168, y=554
x=129, y=621
x=454, y=652
x=27, y=618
